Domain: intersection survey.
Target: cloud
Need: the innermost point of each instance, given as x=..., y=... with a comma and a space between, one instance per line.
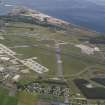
x=98, y=2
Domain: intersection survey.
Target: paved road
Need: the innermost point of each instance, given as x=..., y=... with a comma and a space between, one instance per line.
x=82, y=72
x=59, y=62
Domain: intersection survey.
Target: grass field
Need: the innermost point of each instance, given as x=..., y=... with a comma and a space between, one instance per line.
x=5, y=99
x=40, y=43
x=27, y=98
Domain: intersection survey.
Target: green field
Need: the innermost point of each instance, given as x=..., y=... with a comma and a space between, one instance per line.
x=5, y=99
x=40, y=42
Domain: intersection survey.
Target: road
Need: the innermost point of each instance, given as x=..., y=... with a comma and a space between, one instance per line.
x=82, y=72
x=59, y=61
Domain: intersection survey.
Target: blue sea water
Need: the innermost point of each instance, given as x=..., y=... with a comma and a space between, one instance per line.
x=86, y=13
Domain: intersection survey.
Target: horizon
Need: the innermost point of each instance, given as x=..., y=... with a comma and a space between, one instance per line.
x=68, y=10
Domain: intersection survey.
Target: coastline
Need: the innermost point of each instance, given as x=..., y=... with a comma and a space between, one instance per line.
x=23, y=11
x=42, y=17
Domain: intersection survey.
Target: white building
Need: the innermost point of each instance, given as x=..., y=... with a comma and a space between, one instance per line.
x=35, y=66
x=16, y=77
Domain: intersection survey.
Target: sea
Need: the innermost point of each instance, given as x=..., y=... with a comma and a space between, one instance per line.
x=85, y=13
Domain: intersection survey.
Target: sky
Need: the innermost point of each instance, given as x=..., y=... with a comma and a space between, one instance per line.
x=99, y=2
x=58, y=2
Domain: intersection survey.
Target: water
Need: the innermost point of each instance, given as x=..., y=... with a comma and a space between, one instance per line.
x=87, y=13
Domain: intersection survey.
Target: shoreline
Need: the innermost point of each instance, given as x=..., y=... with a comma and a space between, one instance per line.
x=42, y=17
x=24, y=11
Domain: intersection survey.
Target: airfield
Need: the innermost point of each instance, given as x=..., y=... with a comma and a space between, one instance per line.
x=36, y=53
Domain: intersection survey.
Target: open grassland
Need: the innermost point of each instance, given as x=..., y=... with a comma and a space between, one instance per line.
x=37, y=41
x=29, y=41
x=5, y=99
x=27, y=98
